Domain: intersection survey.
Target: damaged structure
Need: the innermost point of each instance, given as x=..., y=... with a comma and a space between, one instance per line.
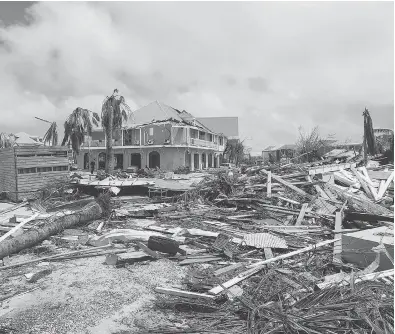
x=158, y=136
x=26, y=169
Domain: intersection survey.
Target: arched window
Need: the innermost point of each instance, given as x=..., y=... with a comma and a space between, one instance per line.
x=154, y=159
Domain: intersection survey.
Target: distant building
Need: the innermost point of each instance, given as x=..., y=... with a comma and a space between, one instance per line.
x=279, y=152
x=158, y=136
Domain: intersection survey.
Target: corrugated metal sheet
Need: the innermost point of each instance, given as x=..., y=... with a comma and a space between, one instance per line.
x=264, y=240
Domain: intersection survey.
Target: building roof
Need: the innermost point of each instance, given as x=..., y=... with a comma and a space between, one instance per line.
x=22, y=138
x=229, y=126
x=280, y=147
x=158, y=111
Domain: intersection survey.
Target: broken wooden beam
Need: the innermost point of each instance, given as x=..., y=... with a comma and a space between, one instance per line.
x=186, y=294
x=337, y=247
x=289, y=185
x=257, y=267
x=17, y=227
x=269, y=184
x=301, y=214
x=229, y=269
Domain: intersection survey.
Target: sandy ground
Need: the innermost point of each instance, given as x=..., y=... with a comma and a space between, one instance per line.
x=85, y=296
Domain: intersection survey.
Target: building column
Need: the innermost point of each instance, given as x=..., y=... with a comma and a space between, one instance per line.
x=218, y=162
x=192, y=167
x=206, y=160
x=212, y=159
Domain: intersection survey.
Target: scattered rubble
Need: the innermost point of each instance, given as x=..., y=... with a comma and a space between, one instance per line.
x=295, y=248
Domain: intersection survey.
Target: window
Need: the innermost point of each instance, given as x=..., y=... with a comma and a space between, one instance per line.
x=151, y=131
x=26, y=170
x=44, y=154
x=44, y=169
x=202, y=135
x=60, y=168
x=221, y=140
x=210, y=137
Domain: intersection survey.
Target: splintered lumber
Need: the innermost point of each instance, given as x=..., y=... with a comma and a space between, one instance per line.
x=257, y=267
x=199, y=260
x=186, y=294
x=14, y=207
x=148, y=251
x=17, y=227
x=386, y=185
x=301, y=214
x=268, y=253
x=53, y=225
x=289, y=185
x=341, y=279
x=369, y=191
x=228, y=269
x=286, y=199
x=337, y=247
x=269, y=184
x=56, y=256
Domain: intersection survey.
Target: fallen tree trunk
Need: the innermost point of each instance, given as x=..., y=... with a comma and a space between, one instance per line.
x=53, y=225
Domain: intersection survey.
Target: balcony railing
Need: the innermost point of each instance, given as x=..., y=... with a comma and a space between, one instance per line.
x=203, y=143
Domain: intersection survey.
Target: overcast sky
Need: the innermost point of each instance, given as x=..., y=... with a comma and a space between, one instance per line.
x=275, y=65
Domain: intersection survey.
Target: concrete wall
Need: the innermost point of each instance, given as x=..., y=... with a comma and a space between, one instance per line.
x=156, y=133
x=7, y=173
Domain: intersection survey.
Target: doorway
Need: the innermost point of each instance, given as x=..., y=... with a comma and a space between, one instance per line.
x=118, y=161
x=102, y=160
x=135, y=160
x=154, y=159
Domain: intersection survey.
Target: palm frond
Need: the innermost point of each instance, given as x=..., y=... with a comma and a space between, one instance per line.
x=51, y=136
x=7, y=140
x=77, y=125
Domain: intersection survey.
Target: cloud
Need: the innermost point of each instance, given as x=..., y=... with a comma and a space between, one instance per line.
x=322, y=63
x=258, y=84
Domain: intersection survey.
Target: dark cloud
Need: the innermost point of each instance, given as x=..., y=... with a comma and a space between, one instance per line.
x=322, y=63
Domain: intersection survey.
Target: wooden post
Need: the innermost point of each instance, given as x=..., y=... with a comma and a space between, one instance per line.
x=337, y=247
x=301, y=214
x=269, y=184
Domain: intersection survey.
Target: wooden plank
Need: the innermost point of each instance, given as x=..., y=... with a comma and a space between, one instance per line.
x=256, y=267
x=199, y=260
x=17, y=227
x=229, y=269
x=337, y=247
x=345, y=279
x=268, y=253
x=148, y=251
x=301, y=214
x=289, y=185
x=269, y=184
x=364, y=185
x=386, y=185
x=286, y=199
x=187, y=294
x=321, y=192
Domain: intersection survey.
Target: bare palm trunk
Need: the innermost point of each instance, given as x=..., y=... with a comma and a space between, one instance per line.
x=52, y=226
x=109, y=150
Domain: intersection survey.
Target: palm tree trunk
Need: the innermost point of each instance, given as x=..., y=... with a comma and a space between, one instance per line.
x=109, y=150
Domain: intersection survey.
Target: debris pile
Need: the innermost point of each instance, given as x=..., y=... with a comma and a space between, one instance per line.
x=299, y=248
